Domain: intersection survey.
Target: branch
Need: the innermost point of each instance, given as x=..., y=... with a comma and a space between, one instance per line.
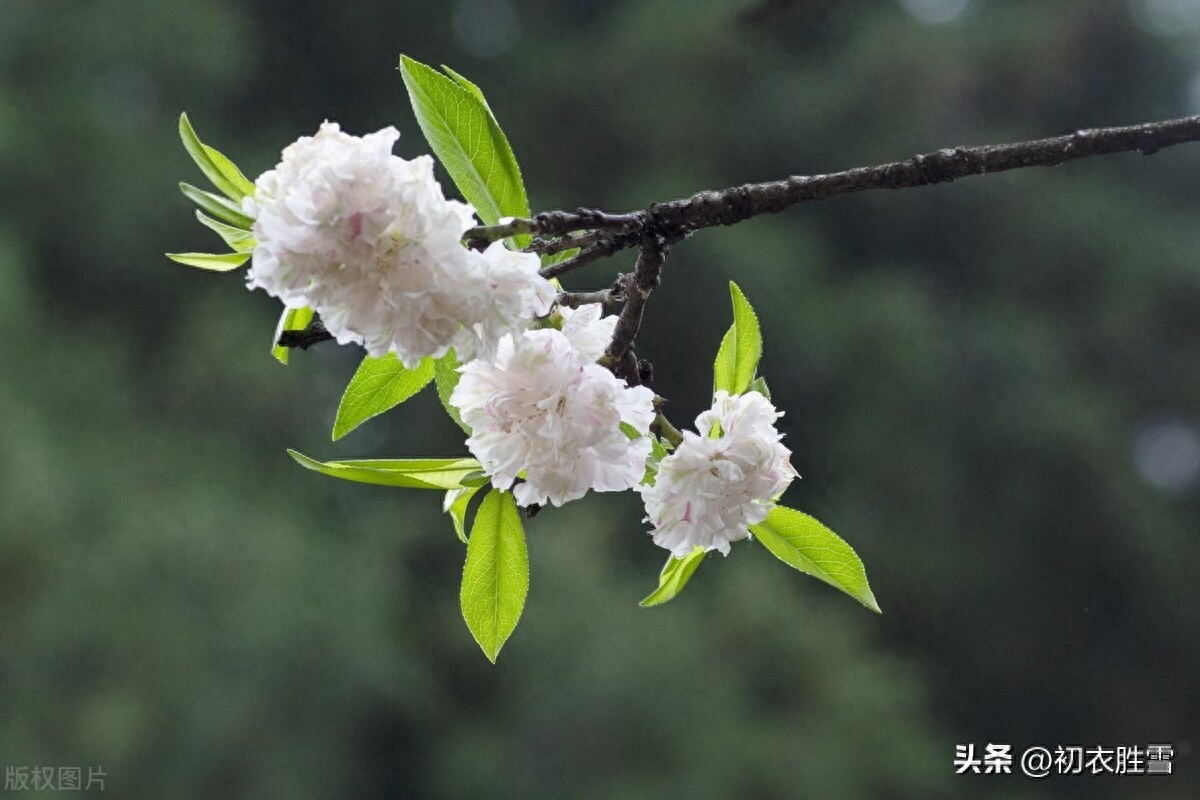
x=678, y=218
x=604, y=247
x=609, y=297
x=645, y=279
x=315, y=333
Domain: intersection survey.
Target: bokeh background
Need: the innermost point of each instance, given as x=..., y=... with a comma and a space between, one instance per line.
x=992, y=391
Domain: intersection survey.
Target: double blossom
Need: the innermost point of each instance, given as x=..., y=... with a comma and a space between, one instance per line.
x=721, y=481
x=545, y=411
x=368, y=241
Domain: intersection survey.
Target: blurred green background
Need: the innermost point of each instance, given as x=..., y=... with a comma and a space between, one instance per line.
x=992, y=391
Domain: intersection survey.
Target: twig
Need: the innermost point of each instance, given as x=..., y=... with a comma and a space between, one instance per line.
x=315, y=333
x=707, y=209
x=665, y=430
x=566, y=242
x=646, y=274
x=603, y=248
x=552, y=223
x=609, y=297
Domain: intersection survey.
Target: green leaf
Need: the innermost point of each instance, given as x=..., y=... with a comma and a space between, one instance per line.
x=462, y=131
x=445, y=373
x=496, y=575
x=674, y=576
x=470, y=86
x=239, y=240
x=804, y=543
x=379, y=385
x=455, y=505
x=228, y=179
x=550, y=259
x=217, y=262
x=292, y=319
x=216, y=206
x=737, y=360
x=759, y=385
x=230, y=171
x=404, y=473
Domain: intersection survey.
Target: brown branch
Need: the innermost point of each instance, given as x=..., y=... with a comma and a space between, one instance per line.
x=677, y=218
x=609, y=297
x=636, y=290
x=603, y=248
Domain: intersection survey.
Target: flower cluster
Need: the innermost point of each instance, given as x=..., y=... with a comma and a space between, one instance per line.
x=369, y=242
x=719, y=482
x=545, y=410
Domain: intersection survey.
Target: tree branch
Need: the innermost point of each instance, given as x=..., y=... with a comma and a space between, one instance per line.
x=675, y=219
x=609, y=297
x=636, y=290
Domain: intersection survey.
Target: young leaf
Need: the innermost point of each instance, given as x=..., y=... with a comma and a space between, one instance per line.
x=241, y=241
x=292, y=319
x=468, y=85
x=804, y=543
x=455, y=505
x=217, y=206
x=674, y=576
x=759, y=385
x=464, y=134
x=496, y=575
x=216, y=262
x=379, y=385
x=445, y=373
x=228, y=179
x=550, y=259
x=230, y=171
x=404, y=473
x=741, y=348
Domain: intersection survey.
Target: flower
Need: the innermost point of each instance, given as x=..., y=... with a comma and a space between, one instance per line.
x=713, y=487
x=545, y=408
x=369, y=242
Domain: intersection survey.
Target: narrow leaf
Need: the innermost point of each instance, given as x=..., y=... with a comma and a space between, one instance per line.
x=496, y=574
x=216, y=262
x=455, y=505
x=230, y=171
x=292, y=319
x=242, y=241
x=737, y=360
x=404, y=473
x=445, y=373
x=804, y=543
x=462, y=131
x=674, y=576
x=196, y=149
x=379, y=385
x=216, y=206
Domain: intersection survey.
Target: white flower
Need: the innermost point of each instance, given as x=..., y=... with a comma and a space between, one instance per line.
x=368, y=241
x=710, y=490
x=546, y=408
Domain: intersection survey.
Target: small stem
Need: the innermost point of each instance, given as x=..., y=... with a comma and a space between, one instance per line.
x=315, y=333
x=577, y=299
x=665, y=430
x=603, y=247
